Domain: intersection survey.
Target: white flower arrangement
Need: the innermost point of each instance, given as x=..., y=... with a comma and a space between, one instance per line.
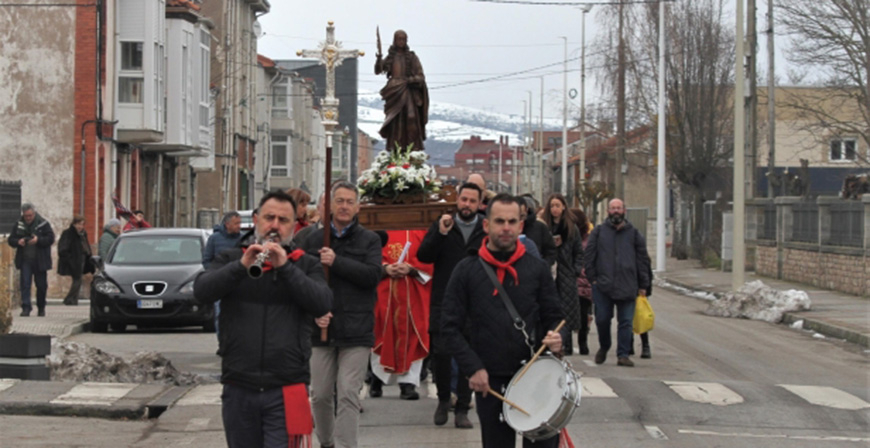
x=398, y=173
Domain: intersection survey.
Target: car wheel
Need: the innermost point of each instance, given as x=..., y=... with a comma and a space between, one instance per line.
x=99, y=327
x=208, y=326
x=118, y=328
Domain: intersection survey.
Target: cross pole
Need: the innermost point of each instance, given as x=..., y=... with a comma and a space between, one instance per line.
x=331, y=55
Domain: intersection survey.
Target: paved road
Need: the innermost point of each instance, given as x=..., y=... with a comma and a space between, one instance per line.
x=711, y=382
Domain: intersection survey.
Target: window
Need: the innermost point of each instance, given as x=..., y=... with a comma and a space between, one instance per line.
x=131, y=56
x=280, y=156
x=204, y=75
x=843, y=150
x=554, y=141
x=130, y=90
x=280, y=107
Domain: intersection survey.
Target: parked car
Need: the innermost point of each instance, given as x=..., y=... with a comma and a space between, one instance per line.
x=147, y=280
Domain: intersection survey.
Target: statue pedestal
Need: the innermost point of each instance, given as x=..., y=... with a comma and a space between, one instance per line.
x=403, y=217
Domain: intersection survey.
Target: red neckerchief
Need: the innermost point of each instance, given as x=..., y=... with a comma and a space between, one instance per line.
x=293, y=256
x=297, y=415
x=502, y=265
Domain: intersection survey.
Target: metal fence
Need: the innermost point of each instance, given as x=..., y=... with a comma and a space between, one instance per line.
x=847, y=224
x=805, y=227
x=767, y=230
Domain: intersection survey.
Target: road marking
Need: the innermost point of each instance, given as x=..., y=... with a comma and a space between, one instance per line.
x=596, y=388
x=776, y=436
x=709, y=393
x=590, y=363
x=202, y=395
x=6, y=383
x=95, y=394
x=197, y=424
x=656, y=433
x=827, y=396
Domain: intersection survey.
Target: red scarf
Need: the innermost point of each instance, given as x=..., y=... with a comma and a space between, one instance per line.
x=293, y=256
x=297, y=415
x=502, y=266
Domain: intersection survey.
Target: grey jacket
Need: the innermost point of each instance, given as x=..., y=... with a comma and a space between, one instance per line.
x=616, y=261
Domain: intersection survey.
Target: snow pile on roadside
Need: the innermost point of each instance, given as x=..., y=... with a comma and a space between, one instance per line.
x=75, y=361
x=703, y=295
x=757, y=301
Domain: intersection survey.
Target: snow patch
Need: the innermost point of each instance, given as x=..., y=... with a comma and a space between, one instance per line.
x=757, y=301
x=77, y=362
x=818, y=336
x=798, y=325
x=703, y=295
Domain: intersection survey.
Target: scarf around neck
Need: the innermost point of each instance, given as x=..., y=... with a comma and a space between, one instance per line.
x=502, y=266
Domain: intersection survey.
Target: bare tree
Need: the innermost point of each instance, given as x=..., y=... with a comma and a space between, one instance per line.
x=832, y=37
x=700, y=69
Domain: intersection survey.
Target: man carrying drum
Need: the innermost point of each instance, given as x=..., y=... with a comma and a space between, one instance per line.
x=497, y=348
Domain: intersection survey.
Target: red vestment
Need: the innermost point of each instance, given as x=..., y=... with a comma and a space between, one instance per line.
x=402, y=311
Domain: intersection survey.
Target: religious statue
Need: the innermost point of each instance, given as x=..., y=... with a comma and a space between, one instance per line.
x=406, y=98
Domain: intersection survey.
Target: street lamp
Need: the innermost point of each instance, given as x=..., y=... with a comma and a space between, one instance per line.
x=565, y=121
x=582, y=176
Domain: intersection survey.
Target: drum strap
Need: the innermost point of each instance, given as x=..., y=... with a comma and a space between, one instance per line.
x=518, y=321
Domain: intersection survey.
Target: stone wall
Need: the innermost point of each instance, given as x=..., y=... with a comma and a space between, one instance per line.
x=833, y=269
x=765, y=260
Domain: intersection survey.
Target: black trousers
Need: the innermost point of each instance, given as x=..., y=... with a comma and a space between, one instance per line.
x=494, y=432
x=443, y=373
x=254, y=418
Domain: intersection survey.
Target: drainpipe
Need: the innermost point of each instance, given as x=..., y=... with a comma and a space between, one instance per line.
x=157, y=193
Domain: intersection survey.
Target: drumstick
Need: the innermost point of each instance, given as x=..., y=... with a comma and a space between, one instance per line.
x=510, y=403
x=537, y=354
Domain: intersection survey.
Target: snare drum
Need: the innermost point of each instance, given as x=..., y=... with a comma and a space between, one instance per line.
x=550, y=392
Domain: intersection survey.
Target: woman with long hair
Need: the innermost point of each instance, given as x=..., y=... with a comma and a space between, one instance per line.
x=584, y=288
x=569, y=260
x=302, y=199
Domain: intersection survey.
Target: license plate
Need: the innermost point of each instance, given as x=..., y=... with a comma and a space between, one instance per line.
x=149, y=304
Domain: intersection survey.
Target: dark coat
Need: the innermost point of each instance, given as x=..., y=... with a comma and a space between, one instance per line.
x=617, y=261
x=265, y=323
x=493, y=343
x=72, y=258
x=42, y=230
x=445, y=252
x=539, y=233
x=570, y=263
x=353, y=279
x=218, y=242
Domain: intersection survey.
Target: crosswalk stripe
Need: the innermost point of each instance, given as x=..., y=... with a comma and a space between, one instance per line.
x=827, y=396
x=205, y=394
x=6, y=383
x=709, y=393
x=596, y=388
x=197, y=424
x=95, y=394
x=775, y=436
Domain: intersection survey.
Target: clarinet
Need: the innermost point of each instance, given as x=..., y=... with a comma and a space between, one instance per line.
x=255, y=271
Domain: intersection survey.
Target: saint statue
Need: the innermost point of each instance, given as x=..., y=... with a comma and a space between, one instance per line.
x=406, y=98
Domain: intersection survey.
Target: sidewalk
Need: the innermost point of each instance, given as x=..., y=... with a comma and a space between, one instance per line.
x=60, y=320
x=833, y=314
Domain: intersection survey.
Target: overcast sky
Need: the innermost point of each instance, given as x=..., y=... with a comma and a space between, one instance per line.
x=457, y=41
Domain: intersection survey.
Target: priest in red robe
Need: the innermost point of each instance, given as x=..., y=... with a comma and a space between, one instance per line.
x=401, y=315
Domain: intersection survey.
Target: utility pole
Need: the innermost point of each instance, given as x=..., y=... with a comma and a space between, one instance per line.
x=771, y=103
x=751, y=100
x=661, y=185
x=565, y=121
x=582, y=176
x=541, y=147
x=620, y=110
x=739, y=193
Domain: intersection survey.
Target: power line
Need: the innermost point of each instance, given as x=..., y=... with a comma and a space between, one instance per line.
x=46, y=5
x=526, y=2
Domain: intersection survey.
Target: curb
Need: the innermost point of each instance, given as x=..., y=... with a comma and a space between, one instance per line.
x=818, y=326
x=55, y=410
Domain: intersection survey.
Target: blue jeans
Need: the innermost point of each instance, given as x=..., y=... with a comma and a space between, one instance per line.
x=29, y=274
x=254, y=418
x=217, y=320
x=624, y=318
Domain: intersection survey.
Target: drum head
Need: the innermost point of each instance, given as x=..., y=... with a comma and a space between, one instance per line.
x=539, y=392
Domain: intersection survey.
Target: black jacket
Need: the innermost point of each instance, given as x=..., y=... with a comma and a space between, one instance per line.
x=617, y=262
x=353, y=279
x=41, y=229
x=265, y=337
x=72, y=258
x=540, y=234
x=494, y=343
x=444, y=252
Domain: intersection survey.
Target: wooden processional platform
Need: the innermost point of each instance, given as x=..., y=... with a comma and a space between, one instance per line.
x=403, y=216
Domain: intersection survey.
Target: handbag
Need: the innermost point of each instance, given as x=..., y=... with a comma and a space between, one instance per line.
x=644, y=317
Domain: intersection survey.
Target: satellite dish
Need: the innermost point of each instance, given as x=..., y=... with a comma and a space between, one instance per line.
x=258, y=30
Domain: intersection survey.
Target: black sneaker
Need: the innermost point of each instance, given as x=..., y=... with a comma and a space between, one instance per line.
x=645, y=352
x=409, y=392
x=41, y=313
x=25, y=313
x=376, y=389
x=600, y=356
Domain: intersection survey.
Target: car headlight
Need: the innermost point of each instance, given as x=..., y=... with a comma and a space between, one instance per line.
x=106, y=287
x=187, y=288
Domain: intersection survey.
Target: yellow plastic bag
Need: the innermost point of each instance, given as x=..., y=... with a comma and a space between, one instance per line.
x=644, y=317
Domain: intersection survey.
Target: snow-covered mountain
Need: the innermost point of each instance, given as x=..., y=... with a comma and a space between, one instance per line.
x=449, y=124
